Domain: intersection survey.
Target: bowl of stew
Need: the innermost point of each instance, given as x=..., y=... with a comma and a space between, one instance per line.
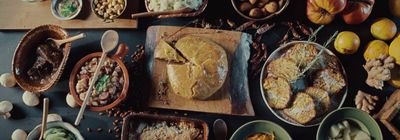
x=111, y=86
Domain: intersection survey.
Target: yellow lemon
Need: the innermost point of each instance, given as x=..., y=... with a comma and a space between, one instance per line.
x=395, y=77
x=375, y=49
x=394, y=49
x=383, y=29
x=347, y=42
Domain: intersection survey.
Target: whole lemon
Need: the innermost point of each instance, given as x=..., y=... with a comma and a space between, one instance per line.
x=394, y=49
x=347, y=42
x=383, y=29
x=375, y=49
x=395, y=77
x=394, y=7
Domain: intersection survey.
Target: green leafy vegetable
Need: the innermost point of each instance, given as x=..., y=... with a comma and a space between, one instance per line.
x=101, y=83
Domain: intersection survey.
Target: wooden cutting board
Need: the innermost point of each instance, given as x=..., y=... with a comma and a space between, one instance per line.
x=18, y=14
x=233, y=98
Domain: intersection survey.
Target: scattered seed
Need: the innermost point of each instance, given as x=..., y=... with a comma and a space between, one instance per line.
x=89, y=129
x=99, y=129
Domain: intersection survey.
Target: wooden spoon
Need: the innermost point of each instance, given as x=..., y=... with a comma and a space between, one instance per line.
x=152, y=14
x=109, y=41
x=58, y=42
x=44, y=117
x=220, y=129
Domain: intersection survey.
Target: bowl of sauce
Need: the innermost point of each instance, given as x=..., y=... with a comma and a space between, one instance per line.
x=66, y=9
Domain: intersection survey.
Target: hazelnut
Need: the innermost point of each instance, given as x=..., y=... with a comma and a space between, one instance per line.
x=256, y=12
x=261, y=3
x=281, y=3
x=271, y=7
x=245, y=6
x=253, y=1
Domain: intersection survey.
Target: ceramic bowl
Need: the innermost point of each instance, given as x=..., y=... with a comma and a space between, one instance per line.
x=93, y=7
x=279, y=113
x=236, y=6
x=117, y=57
x=188, y=14
x=35, y=133
x=363, y=119
x=25, y=51
x=258, y=126
x=54, y=10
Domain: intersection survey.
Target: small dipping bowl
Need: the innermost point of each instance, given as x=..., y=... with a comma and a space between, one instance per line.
x=35, y=133
x=26, y=50
x=54, y=9
x=117, y=57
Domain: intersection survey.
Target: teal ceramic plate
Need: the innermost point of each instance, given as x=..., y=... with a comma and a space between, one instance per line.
x=260, y=126
x=365, y=121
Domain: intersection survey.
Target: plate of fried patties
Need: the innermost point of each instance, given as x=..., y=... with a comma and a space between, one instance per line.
x=301, y=82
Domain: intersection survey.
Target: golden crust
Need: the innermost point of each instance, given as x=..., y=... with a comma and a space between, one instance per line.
x=278, y=92
x=303, y=109
x=283, y=67
x=329, y=80
x=321, y=96
x=301, y=54
x=204, y=74
x=166, y=52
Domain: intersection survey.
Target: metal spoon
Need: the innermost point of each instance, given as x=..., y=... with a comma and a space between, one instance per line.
x=109, y=41
x=59, y=42
x=44, y=117
x=220, y=129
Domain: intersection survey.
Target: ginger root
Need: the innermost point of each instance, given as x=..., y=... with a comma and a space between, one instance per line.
x=365, y=101
x=378, y=70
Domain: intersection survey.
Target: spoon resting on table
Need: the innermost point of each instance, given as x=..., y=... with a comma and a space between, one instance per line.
x=152, y=14
x=220, y=129
x=44, y=117
x=59, y=42
x=109, y=41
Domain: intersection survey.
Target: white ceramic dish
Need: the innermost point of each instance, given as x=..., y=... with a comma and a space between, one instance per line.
x=53, y=8
x=34, y=134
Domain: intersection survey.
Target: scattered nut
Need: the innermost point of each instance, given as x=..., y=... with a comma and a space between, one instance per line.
x=30, y=99
x=5, y=109
x=71, y=101
x=245, y=6
x=261, y=3
x=253, y=1
x=7, y=80
x=256, y=12
x=18, y=134
x=54, y=117
x=271, y=7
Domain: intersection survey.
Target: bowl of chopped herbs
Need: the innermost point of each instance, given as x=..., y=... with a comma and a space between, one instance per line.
x=66, y=9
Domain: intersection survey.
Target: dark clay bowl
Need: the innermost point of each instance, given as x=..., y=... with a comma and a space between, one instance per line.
x=117, y=57
x=26, y=51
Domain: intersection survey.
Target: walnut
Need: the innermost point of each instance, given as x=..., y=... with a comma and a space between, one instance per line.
x=365, y=101
x=378, y=70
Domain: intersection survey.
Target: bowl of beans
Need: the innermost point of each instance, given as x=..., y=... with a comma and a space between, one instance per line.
x=108, y=10
x=111, y=86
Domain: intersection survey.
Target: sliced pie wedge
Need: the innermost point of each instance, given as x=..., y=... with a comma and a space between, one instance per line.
x=166, y=52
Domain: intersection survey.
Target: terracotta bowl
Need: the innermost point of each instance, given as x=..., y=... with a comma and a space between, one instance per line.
x=117, y=57
x=26, y=50
x=189, y=14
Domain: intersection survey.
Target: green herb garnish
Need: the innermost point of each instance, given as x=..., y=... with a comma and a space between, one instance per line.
x=101, y=84
x=67, y=8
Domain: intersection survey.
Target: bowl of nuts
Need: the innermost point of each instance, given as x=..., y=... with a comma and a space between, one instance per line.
x=259, y=9
x=108, y=10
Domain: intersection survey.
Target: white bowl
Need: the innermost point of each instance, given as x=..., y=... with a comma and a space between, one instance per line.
x=35, y=133
x=53, y=8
